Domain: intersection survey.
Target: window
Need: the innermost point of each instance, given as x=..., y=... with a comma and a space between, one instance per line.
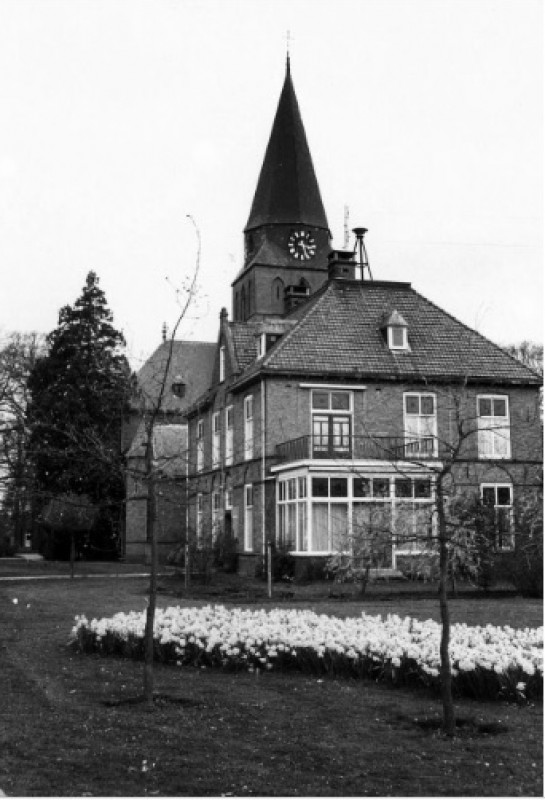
x=396, y=331
x=339, y=513
x=494, y=438
x=216, y=514
x=199, y=519
x=229, y=435
x=215, y=439
x=292, y=513
x=500, y=498
x=222, y=363
x=420, y=424
x=248, y=517
x=248, y=427
x=200, y=445
x=228, y=495
x=397, y=337
x=331, y=424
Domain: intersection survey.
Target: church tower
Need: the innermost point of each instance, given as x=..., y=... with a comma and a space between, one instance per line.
x=287, y=238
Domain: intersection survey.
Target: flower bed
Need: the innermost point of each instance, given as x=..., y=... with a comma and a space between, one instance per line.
x=487, y=662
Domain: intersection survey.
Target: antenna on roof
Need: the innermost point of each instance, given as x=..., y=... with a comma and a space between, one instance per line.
x=359, y=248
x=346, y=231
x=288, y=42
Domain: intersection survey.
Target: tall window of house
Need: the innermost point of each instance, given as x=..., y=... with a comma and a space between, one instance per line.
x=222, y=363
x=248, y=517
x=200, y=445
x=292, y=514
x=420, y=425
x=199, y=520
x=228, y=435
x=331, y=424
x=216, y=439
x=494, y=435
x=248, y=427
x=412, y=515
x=499, y=496
x=216, y=514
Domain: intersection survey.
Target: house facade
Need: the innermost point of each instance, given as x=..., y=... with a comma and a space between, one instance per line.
x=335, y=400
x=175, y=375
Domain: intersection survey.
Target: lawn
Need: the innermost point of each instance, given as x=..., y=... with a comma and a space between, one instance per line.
x=238, y=734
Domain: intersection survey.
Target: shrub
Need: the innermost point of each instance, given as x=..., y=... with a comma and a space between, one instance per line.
x=7, y=548
x=526, y=564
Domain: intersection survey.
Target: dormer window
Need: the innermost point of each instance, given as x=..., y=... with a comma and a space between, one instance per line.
x=178, y=386
x=265, y=341
x=396, y=331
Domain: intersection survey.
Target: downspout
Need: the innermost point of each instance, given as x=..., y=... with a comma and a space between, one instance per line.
x=263, y=467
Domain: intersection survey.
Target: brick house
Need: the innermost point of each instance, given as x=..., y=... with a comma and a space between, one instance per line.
x=333, y=397
x=188, y=375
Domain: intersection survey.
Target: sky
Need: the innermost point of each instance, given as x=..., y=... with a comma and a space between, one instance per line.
x=129, y=127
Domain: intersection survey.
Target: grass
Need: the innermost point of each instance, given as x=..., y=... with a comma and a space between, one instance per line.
x=65, y=732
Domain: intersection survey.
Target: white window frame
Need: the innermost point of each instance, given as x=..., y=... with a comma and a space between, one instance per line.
x=391, y=337
x=419, y=428
x=222, y=363
x=216, y=434
x=199, y=521
x=229, y=435
x=327, y=438
x=493, y=432
x=248, y=427
x=216, y=513
x=304, y=539
x=200, y=445
x=248, y=517
x=500, y=547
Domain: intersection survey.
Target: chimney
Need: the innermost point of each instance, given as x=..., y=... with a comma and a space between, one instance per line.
x=295, y=295
x=341, y=264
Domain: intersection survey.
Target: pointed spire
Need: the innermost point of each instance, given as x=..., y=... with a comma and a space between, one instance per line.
x=287, y=189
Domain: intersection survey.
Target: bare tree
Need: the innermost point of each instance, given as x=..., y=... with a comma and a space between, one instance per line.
x=18, y=356
x=451, y=536
x=151, y=416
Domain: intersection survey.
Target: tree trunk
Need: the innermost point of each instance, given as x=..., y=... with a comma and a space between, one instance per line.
x=449, y=719
x=152, y=597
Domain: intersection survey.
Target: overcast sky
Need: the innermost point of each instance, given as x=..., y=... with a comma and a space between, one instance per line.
x=424, y=117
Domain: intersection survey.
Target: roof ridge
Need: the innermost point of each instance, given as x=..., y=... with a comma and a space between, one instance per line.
x=476, y=333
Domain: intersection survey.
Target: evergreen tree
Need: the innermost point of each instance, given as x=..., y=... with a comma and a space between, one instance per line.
x=79, y=395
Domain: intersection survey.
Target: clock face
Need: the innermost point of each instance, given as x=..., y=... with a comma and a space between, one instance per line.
x=301, y=245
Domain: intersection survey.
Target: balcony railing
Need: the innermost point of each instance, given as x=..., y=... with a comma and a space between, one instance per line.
x=383, y=448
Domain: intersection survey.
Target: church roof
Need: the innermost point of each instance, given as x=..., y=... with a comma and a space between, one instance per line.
x=287, y=189
x=340, y=331
x=193, y=362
